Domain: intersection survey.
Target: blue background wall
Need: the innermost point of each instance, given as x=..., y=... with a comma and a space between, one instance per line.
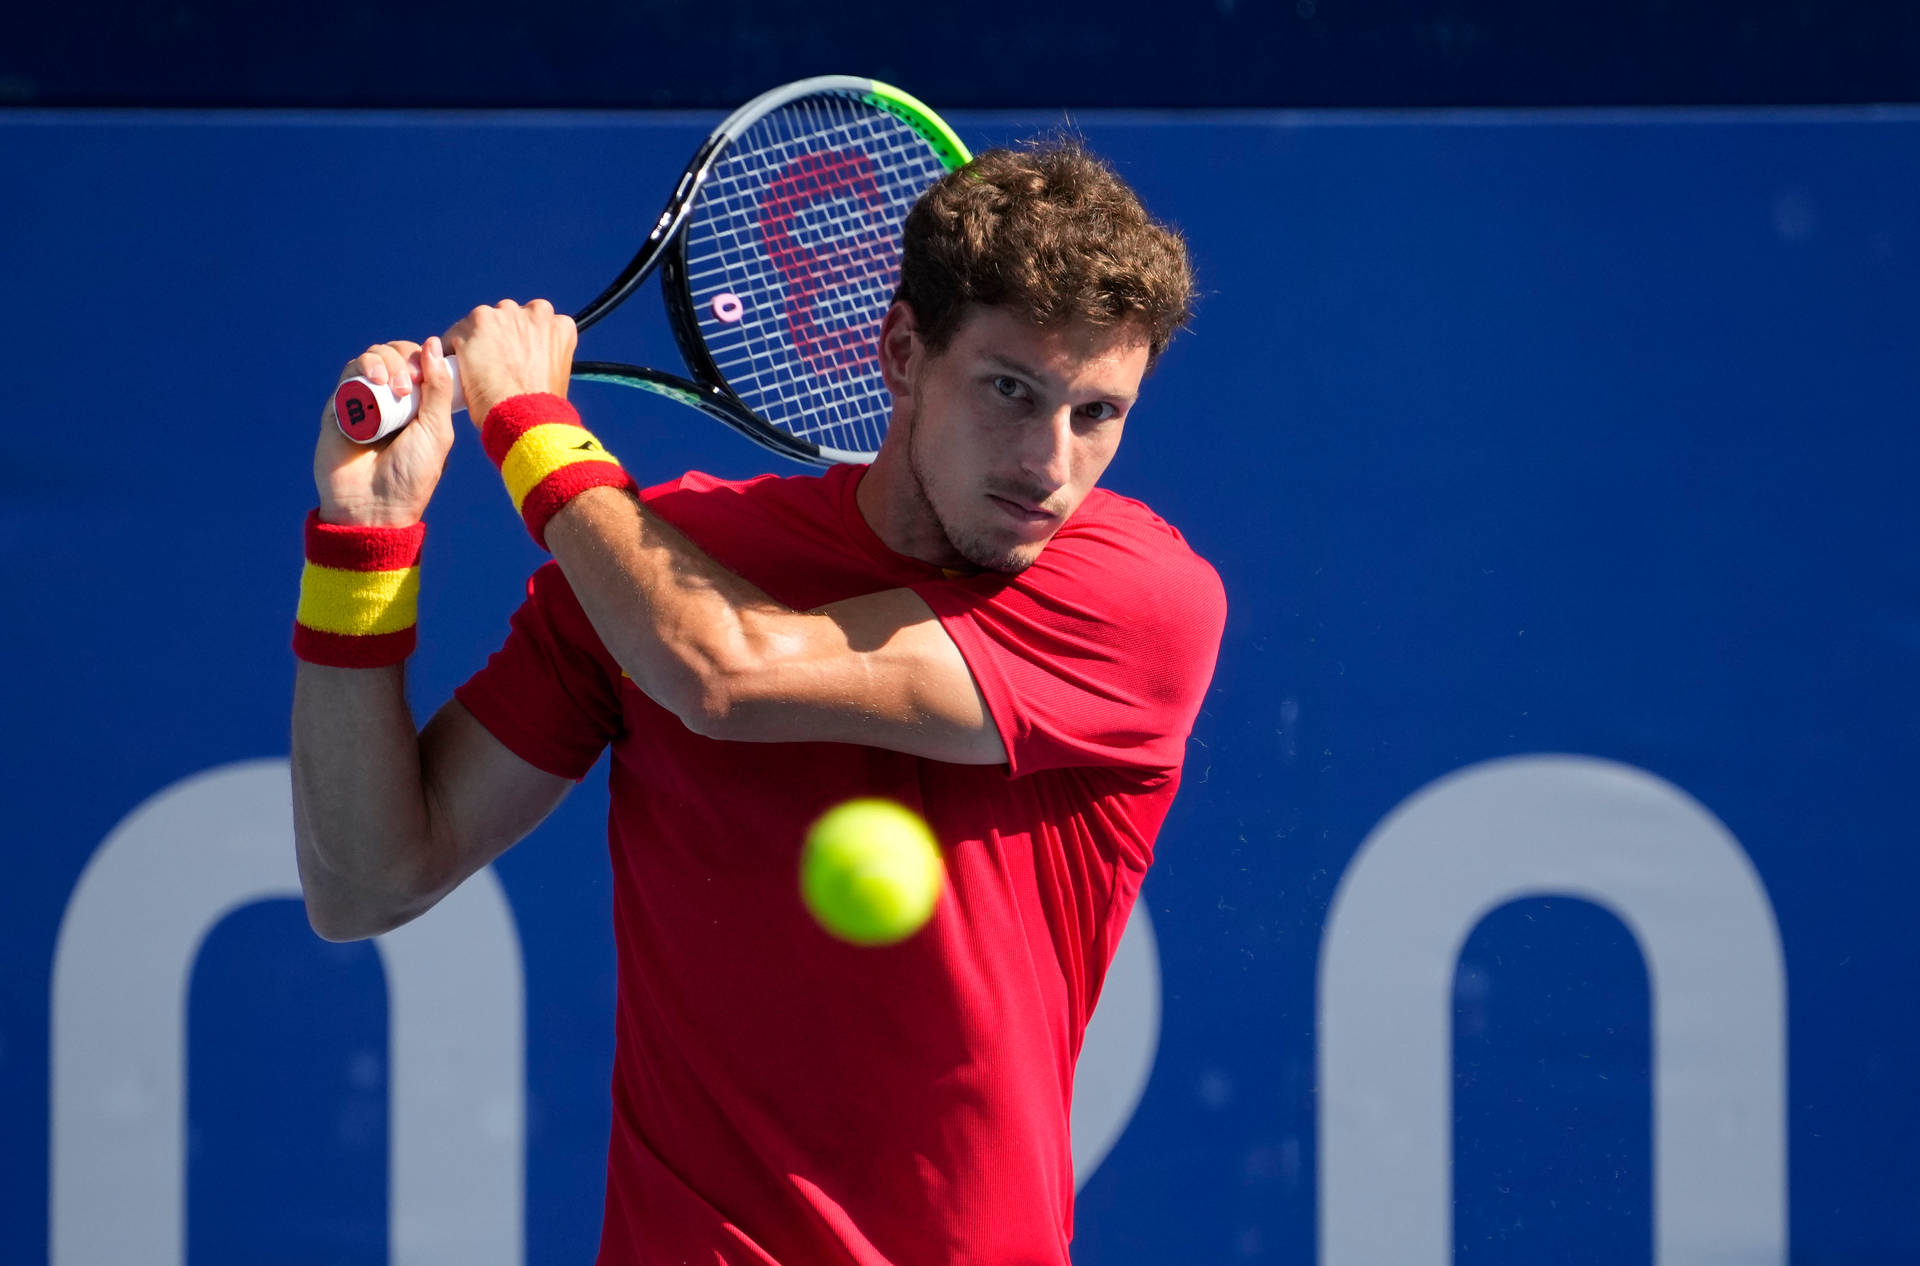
x=1508, y=434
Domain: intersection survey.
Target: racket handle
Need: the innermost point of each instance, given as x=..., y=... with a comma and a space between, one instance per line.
x=367, y=411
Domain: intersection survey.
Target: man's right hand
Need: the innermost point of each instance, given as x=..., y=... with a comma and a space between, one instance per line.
x=388, y=484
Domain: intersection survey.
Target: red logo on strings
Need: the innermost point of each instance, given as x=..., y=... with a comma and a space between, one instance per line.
x=854, y=253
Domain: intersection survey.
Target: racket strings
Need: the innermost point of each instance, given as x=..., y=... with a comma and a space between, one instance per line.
x=792, y=259
x=815, y=221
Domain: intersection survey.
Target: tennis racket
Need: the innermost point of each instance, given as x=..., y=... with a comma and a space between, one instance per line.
x=779, y=254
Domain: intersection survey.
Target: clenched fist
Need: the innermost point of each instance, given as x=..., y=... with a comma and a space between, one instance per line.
x=508, y=350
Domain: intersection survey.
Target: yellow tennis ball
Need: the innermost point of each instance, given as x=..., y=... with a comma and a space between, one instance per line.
x=871, y=872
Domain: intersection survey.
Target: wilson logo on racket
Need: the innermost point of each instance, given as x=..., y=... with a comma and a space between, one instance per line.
x=833, y=335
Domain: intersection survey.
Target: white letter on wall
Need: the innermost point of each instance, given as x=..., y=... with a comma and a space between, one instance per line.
x=1116, y=1055
x=1533, y=827
x=163, y=879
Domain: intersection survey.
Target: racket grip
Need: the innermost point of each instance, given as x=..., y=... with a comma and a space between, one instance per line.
x=367, y=411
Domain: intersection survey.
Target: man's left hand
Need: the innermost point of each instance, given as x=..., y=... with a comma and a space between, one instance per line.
x=507, y=350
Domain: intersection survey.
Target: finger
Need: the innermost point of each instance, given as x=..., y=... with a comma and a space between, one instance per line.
x=460, y=331
x=366, y=365
x=436, y=381
x=402, y=361
x=540, y=307
x=378, y=363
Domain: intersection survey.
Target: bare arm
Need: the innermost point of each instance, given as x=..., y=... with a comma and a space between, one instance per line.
x=387, y=821
x=732, y=663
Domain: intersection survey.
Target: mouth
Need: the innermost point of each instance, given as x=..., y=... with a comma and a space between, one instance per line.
x=1021, y=511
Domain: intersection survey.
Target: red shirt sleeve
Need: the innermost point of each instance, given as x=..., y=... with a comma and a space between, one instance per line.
x=551, y=694
x=1099, y=653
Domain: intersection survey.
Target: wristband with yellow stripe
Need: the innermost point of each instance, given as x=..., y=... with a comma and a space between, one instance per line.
x=546, y=457
x=359, y=594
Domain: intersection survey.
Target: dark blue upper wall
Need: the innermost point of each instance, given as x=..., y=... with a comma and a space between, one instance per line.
x=711, y=54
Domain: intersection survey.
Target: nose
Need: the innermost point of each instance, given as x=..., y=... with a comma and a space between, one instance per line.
x=1048, y=455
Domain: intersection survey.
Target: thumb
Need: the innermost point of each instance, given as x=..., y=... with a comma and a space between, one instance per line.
x=436, y=391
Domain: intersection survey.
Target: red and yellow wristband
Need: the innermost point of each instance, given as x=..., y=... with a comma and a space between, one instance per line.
x=546, y=457
x=359, y=594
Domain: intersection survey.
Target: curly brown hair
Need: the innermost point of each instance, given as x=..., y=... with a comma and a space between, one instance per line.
x=1050, y=232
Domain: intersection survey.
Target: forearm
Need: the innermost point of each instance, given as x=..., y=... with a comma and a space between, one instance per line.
x=362, y=822
x=733, y=663
x=686, y=630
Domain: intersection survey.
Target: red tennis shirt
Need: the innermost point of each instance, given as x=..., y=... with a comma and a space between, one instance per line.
x=782, y=1097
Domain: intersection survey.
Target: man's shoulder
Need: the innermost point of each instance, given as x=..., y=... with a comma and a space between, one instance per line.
x=1104, y=505
x=1108, y=521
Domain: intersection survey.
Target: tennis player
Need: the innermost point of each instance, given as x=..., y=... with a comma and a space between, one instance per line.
x=969, y=625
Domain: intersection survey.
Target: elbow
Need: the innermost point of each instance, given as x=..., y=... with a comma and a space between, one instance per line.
x=716, y=684
x=336, y=919
x=708, y=703
x=340, y=908
x=336, y=924
x=695, y=683
x=340, y=917
x=715, y=679
x=716, y=700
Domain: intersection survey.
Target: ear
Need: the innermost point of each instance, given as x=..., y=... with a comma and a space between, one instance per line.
x=901, y=351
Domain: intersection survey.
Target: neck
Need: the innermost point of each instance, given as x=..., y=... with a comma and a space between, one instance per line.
x=895, y=507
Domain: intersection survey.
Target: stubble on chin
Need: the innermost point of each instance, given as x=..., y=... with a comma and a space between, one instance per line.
x=972, y=547
x=988, y=558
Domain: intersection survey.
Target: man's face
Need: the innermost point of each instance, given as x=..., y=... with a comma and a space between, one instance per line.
x=1011, y=426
